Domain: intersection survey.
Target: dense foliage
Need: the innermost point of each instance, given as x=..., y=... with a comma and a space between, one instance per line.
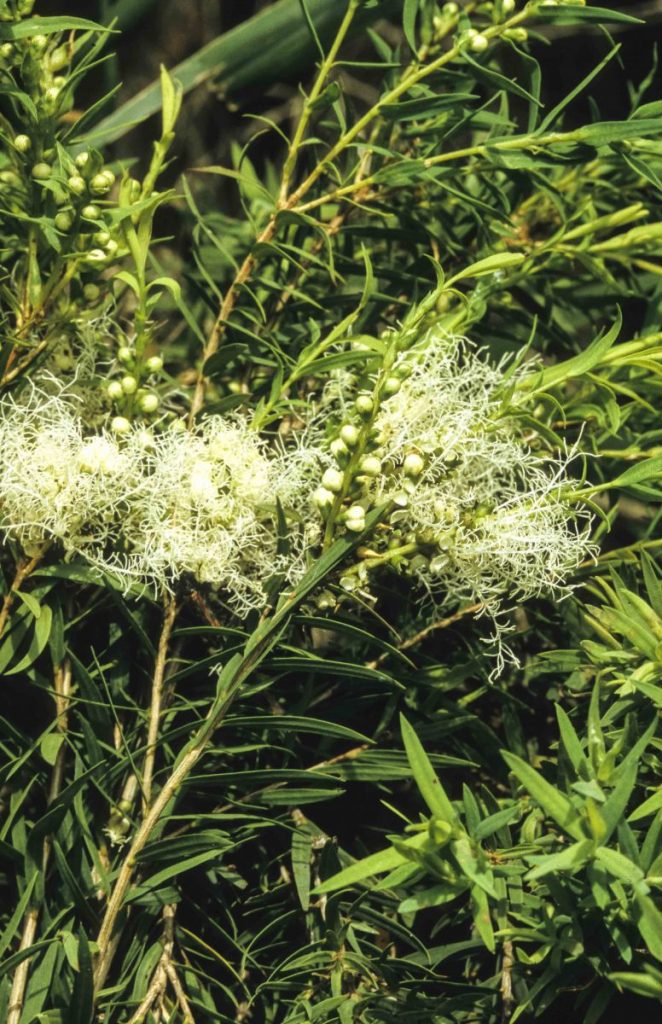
x=331, y=624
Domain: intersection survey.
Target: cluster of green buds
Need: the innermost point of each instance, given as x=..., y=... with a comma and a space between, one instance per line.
x=65, y=194
x=349, y=487
x=39, y=59
x=133, y=391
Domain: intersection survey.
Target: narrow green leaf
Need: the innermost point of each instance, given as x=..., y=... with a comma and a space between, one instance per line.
x=425, y=776
x=375, y=864
x=553, y=802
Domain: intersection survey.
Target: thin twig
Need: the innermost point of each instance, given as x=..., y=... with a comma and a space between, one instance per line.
x=507, y=963
x=160, y=979
x=62, y=688
x=23, y=571
x=184, y=1004
x=157, y=701
x=417, y=638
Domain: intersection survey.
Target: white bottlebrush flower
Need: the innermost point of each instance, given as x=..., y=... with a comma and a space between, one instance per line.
x=203, y=504
x=55, y=483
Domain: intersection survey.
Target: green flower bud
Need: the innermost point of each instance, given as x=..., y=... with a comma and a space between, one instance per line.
x=91, y=292
x=39, y=43
x=339, y=449
x=391, y=386
x=323, y=497
x=333, y=480
x=102, y=183
x=120, y=425
x=22, y=143
x=124, y=354
x=91, y=211
x=364, y=405
x=349, y=435
x=518, y=35
x=6, y=51
x=82, y=160
x=355, y=518
x=115, y=390
x=58, y=59
x=10, y=178
x=76, y=184
x=149, y=403
x=111, y=247
x=450, y=10
x=370, y=465
x=413, y=465
x=154, y=364
x=129, y=385
x=63, y=220
x=51, y=94
x=42, y=171
x=101, y=238
x=507, y=6
x=479, y=43
x=96, y=256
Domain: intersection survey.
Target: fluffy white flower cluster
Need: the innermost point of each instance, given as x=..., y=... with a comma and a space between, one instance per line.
x=481, y=514
x=152, y=508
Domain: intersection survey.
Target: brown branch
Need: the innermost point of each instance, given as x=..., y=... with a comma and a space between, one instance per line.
x=507, y=963
x=159, y=981
x=413, y=641
x=23, y=571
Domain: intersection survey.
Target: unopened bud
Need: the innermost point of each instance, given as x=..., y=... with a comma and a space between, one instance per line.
x=350, y=435
x=413, y=464
x=102, y=183
x=364, y=405
x=149, y=403
x=154, y=364
x=479, y=43
x=333, y=480
x=76, y=184
x=115, y=390
x=63, y=221
x=120, y=425
x=323, y=497
x=42, y=171
x=370, y=465
x=129, y=385
x=22, y=143
x=339, y=449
